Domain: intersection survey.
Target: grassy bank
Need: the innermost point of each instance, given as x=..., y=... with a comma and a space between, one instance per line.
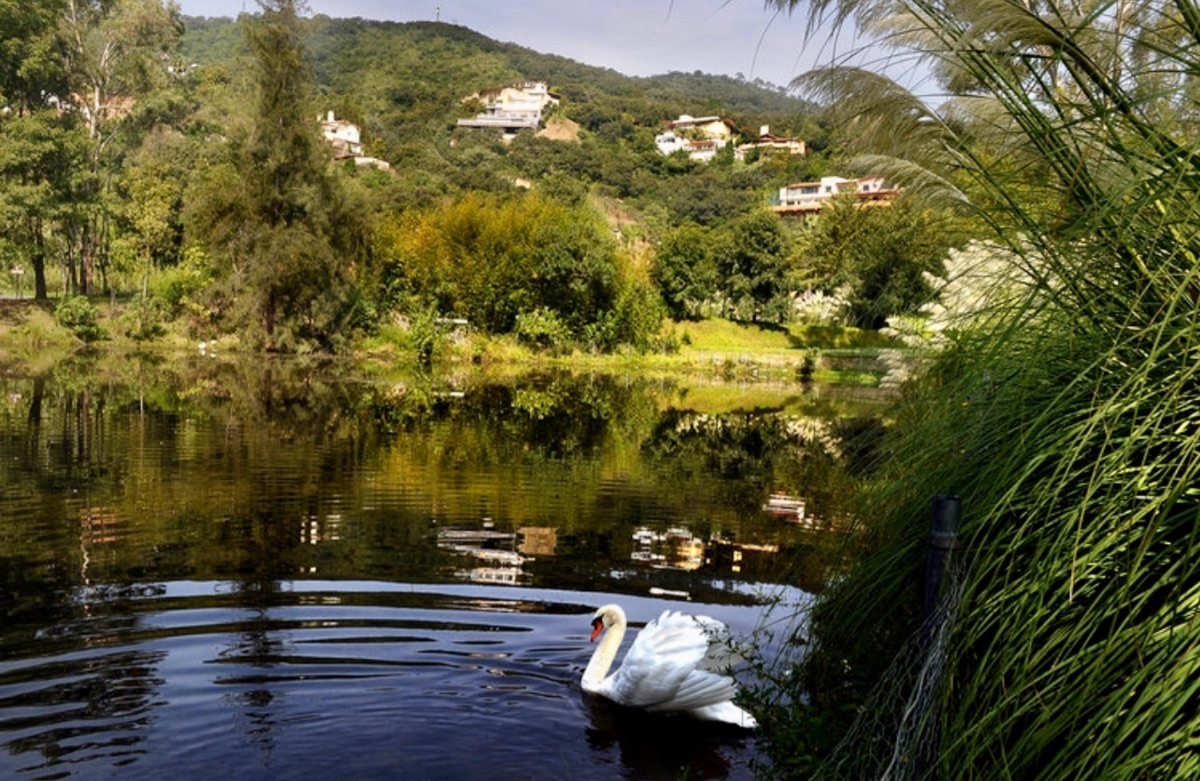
x=32, y=337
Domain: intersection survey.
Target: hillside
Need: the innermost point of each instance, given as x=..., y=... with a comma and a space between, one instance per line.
x=393, y=72
x=404, y=84
x=405, y=63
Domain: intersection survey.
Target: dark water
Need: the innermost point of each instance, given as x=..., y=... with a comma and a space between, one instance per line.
x=287, y=570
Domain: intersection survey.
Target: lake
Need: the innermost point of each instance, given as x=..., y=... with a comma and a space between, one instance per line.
x=279, y=569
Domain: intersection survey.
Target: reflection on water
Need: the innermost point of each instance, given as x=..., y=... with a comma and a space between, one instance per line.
x=283, y=569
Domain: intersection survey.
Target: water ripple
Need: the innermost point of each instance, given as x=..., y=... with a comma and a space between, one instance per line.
x=179, y=679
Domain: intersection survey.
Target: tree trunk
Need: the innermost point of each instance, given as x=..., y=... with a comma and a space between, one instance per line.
x=39, y=262
x=70, y=284
x=87, y=260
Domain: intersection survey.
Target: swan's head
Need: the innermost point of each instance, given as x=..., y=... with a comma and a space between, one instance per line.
x=606, y=616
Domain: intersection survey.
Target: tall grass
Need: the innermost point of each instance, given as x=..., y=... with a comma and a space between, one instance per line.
x=1068, y=419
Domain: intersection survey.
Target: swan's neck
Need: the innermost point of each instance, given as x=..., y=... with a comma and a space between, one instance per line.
x=605, y=653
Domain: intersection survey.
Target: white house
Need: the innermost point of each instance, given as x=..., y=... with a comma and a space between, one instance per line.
x=700, y=137
x=343, y=135
x=773, y=144
x=812, y=196
x=346, y=141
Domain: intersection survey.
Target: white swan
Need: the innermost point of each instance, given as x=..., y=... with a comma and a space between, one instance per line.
x=662, y=670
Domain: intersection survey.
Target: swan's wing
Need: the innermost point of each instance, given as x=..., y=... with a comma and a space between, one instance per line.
x=699, y=690
x=720, y=656
x=661, y=658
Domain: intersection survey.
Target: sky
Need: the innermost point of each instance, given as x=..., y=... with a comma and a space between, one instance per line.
x=634, y=37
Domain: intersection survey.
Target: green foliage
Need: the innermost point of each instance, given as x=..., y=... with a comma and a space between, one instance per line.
x=638, y=313
x=685, y=272
x=752, y=261
x=30, y=68
x=79, y=316
x=492, y=260
x=177, y=286
x=151, y=184
x=876, y=258
x=40, y=155
x=424, y=334
x=542, y=328
x=143, y=319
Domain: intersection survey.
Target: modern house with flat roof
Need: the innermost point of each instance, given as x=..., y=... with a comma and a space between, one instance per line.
x=514, y=108
x=771, y=144
x=811, y=197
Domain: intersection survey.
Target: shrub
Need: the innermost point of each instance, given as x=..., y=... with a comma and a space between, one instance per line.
x=543, y=329
x=78, y=315
x=143, y=319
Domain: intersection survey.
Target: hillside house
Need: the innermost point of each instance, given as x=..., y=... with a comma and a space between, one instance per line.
x=700, y=137
x=514, y=108
x=771, y=144
x=346, y=141
x=342, y=135
x=811, y=197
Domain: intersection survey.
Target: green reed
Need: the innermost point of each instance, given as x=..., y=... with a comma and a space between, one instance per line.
x=1067, y=419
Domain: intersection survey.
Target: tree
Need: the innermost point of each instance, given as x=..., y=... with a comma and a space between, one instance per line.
x=274, y=214
x=151, y=187
x=31, y=65
x=881, y=254
x=684, y=271
x=752, y=264
x=115, y=54
x=34, y=159
x=39, y=150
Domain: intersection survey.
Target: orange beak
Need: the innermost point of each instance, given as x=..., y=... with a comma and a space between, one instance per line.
x=597, y=628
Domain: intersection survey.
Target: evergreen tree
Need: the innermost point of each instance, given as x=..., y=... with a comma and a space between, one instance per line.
x=274, y=213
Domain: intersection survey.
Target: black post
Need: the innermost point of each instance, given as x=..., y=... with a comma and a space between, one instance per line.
x=946, y=511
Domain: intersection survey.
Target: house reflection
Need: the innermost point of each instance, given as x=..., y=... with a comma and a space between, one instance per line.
x=675, y=548
x=98, y=526
x=317, y=529
x=794, y=510
x=678, y=548
x=501, y=555
x=538, y=540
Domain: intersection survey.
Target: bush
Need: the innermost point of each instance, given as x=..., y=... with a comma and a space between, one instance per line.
x=144, y=319
x=178, y=285
x=542, y=328
x=77, y=315
x=425, y=335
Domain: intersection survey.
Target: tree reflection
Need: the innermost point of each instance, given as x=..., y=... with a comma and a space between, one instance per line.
x=99, y=711
x=238, y=470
